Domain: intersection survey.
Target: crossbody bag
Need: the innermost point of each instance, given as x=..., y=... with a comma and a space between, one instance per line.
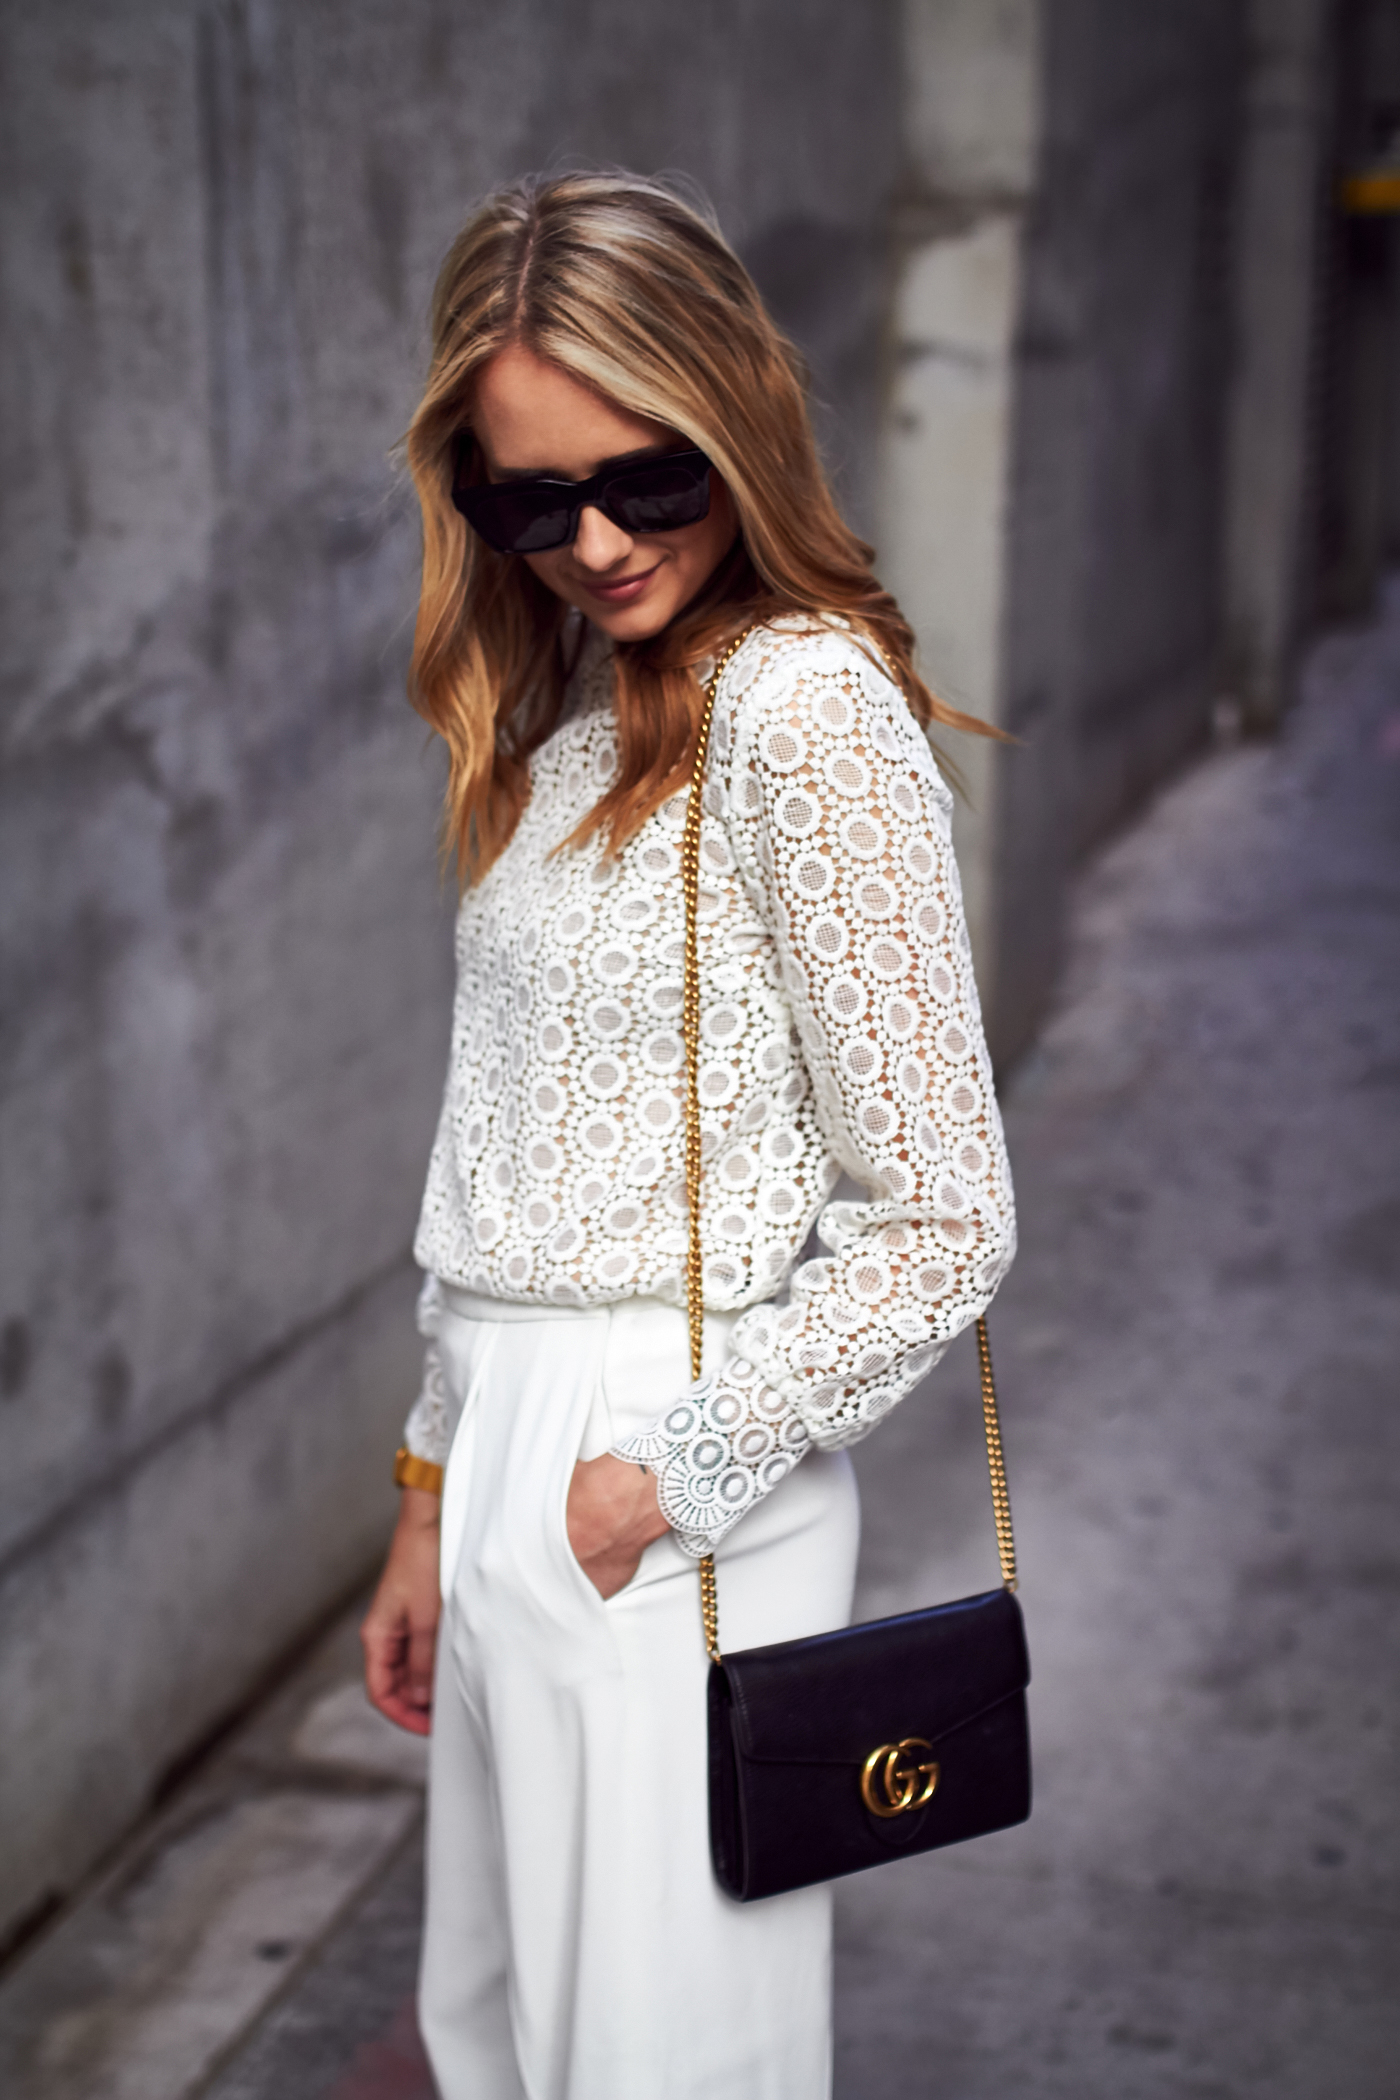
x=851, y=1748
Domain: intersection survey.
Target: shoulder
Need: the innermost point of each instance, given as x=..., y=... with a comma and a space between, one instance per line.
x=802, y=669
x=803, y=684
x=786, y=653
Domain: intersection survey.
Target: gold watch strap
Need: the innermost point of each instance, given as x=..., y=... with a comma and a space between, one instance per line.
x=694, y=1268
x=411, y=1472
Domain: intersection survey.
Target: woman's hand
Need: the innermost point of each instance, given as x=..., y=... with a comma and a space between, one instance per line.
x=612, y=1516
x=399, y=1635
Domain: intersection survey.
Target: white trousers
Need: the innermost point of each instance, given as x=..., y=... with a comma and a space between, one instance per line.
x=576, y=1944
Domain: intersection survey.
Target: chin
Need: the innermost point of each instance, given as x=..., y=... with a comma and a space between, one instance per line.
x=631, y=623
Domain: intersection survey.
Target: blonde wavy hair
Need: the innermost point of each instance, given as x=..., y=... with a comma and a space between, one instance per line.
x=632, y=291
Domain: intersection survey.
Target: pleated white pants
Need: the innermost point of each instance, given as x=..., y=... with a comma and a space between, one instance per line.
x=576, y=1944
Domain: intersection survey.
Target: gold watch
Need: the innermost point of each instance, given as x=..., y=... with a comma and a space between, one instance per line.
x=411, y=1472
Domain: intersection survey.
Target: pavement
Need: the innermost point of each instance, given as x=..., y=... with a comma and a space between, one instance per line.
x=1198, y=1355
x=204, y=1939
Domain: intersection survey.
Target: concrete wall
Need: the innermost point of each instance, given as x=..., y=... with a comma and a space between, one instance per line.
x=225, y=951
x=974, y=95
x=1001, y=231
x=1358, y=526
x=1280, y=253
x=1061, y=342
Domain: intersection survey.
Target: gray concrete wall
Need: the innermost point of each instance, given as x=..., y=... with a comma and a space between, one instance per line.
x=1358, y=523
x=225, y=951
x=1000, y=231
x=974, y=108
x=1054, y=483
x=1117, y=492
x=1280, y=221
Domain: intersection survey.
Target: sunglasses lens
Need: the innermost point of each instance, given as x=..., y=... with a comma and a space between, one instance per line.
x=529, y=517
x=518, y=522
x=659, y=498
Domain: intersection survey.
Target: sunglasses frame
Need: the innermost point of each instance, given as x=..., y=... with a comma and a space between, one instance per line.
x=476, y=500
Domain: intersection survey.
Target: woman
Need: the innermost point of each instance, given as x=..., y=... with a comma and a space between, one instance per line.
x=618, y=481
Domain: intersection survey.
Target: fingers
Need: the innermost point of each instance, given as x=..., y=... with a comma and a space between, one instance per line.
x=399, y=1638
x=383, y=1645
x=422, y=1653
x=611, y=1572
x=399, y=1675
x=415, y=1720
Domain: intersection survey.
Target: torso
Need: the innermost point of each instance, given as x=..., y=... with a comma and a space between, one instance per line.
x=558, y=1173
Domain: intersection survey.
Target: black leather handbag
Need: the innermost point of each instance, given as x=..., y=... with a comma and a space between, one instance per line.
x=865, y=1745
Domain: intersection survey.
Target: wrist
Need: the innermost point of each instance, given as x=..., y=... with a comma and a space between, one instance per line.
x=419, y=1510
x=417, y=1473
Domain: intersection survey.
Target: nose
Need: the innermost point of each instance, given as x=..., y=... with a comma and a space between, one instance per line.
x=599, y=543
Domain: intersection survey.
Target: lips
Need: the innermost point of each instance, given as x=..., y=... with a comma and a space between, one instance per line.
x=623, y=589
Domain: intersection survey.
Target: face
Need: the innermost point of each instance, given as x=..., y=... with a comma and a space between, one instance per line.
x=532, y=418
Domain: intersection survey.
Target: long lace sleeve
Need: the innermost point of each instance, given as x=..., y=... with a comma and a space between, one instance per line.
x=428, y=1430
x=827, y=795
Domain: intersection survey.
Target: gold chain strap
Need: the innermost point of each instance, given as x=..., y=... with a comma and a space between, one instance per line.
x=991, y=1422
x=694, y=1266
x=690, y=1030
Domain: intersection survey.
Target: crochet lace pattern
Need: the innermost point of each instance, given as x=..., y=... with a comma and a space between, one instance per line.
x=840, y=1031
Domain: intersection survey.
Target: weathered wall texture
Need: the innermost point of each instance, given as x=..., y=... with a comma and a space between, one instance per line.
x=973, y=94
x=1358, y=508
x=1114, y=591
x=225, y=951
x=1055, y=485
x=998, y=228
x=1279, y=226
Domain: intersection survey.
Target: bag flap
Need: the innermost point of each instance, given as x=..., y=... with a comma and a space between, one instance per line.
x=834, y=1698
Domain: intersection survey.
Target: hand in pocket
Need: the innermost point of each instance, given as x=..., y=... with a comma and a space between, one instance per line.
x=612, y=1515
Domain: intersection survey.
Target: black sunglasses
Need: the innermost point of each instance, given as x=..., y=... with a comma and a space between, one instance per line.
x=527, y=517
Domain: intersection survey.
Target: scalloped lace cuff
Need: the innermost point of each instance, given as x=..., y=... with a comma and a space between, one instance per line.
x=724, y=1445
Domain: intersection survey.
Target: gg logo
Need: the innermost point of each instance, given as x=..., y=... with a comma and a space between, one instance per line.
x=892, y=1780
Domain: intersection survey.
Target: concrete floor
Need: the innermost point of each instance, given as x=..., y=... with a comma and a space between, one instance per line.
x=1198, y=1352
x=1200, y=1355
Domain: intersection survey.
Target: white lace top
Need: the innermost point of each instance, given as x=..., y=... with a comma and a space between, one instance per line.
x=840, y=1031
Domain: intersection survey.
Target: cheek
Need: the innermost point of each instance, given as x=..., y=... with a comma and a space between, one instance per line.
x=712, y=538
x=545, y=566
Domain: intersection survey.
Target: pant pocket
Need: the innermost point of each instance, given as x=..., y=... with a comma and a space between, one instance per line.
x=646, y=1364
x=598, y=1432
x=594, y=1438
x=471, y=1357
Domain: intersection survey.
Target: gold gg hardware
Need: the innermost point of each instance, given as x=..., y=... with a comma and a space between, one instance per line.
x=896, y=1771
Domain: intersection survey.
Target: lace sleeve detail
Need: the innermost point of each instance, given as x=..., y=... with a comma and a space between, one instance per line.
x=428, y=1430
x=840, y=822
x=728, y=1441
